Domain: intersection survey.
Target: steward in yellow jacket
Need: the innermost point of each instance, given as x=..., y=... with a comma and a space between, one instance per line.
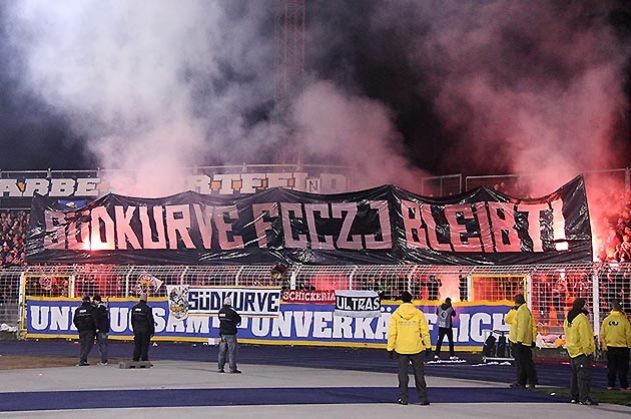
x=615, y=331
x=408, y=332
x=408, y=337
x=516, y=331
x=522, y=335
x=615, y=334
x=579, y=337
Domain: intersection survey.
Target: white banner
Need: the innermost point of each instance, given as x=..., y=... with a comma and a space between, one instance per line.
x=254, y=302
x=357, y=303
x=178, y=301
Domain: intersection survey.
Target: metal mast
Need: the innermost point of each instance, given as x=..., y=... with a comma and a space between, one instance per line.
x=290, y=65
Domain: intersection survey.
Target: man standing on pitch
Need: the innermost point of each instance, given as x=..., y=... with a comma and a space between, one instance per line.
x=83, y=320
x=102, y=320
x=615, y=334
x=143, y=326
x=228, y=322
x=408, y=337
x=523, y=336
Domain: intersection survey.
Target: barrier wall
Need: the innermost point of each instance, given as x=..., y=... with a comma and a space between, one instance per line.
x=297, y=323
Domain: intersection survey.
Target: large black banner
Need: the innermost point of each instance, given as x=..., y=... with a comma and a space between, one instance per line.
x=384, y=225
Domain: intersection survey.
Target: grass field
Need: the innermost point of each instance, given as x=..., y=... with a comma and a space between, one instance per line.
x=602, y=396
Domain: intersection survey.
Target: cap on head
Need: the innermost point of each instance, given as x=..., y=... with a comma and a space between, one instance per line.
x=227, y=301
x=86, y=298
x=406, y=297
x=519, y=299
x=97, y=298
x=143, y=297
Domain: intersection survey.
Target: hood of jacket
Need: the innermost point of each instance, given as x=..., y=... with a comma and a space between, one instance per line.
x=445, y=306
x=407, y=310
x=571, y=315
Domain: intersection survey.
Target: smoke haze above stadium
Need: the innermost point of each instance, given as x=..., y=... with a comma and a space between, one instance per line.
x=397, y=88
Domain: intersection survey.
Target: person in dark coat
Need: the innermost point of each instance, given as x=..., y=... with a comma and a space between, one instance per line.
x=83, y=320
x=143, y=327
x=102, y=321
x=228, y=322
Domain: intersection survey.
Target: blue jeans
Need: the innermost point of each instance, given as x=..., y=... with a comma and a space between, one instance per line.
x=101, y=340
x=228, y=345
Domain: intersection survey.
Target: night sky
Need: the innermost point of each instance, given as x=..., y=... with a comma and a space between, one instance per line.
x=383, y=59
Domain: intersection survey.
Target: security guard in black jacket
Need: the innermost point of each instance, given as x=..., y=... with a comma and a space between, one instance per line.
x=143, y=326
x=102, y=321
x=228, y=322
x=83, y=320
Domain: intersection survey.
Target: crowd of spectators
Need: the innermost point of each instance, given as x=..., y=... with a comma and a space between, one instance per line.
x=13, y=226
x=616, y=246
x=611, y=220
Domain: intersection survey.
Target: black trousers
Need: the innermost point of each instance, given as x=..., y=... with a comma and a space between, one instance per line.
x=526, y=373
x=141, y=346
x=581, y=379
x=442, y=332
x=617, y=366
x=419, y=376
x=86, y=340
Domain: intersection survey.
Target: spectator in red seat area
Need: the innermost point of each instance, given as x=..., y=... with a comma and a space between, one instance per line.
x=13, y=226
x=618, y=223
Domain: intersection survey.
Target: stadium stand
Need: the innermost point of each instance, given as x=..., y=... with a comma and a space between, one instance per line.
x=617, y=245
x=13, y=227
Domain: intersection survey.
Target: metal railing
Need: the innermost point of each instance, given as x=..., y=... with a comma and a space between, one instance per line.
x=517, y=184
x=549, y=289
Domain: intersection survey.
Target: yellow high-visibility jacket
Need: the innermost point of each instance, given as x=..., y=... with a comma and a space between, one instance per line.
x=509, y=319
x=615, y=331
x=515, y=332
x=579, y=336
x=524, y=323
x=408, y=332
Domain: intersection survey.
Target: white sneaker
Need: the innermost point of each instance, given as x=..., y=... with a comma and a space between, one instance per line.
x=102, y=364
x=453, y=358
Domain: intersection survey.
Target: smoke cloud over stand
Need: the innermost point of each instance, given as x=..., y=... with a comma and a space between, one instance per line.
x=162, y=86
x=393, y=88
x=530, y=87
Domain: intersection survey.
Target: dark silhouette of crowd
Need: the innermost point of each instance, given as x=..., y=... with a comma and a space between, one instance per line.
x=13, y=227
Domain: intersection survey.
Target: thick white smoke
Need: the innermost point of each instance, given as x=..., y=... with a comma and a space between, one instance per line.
x=152, y=86
x=158, y=86
x=357, y=130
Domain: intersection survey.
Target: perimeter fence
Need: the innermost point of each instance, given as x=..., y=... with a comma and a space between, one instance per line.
x=549, y=289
